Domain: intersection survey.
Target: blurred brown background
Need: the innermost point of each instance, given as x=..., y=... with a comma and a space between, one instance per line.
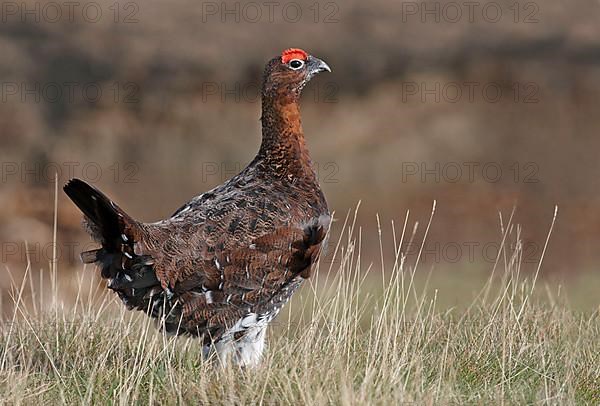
x=482, y=106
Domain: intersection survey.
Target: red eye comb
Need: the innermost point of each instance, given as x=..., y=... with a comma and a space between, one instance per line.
x=293, y=53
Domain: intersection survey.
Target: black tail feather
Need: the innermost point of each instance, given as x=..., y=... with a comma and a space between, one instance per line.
x=130, y=275
x=106, y=220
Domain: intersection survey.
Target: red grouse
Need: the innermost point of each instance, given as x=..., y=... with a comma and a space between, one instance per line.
x=222, y=266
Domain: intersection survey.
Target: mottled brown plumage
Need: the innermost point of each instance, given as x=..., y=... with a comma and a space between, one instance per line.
x=225, y=263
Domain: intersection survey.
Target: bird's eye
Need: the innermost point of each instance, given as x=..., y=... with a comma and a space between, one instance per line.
x=296, y=64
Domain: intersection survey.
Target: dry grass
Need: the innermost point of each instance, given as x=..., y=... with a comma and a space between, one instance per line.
x=344, y=340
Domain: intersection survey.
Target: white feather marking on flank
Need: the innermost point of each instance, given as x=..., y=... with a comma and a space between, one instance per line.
x=208, y=296
x=250, y=320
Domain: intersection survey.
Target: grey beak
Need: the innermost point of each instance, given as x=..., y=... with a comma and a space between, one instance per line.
x=316, y=65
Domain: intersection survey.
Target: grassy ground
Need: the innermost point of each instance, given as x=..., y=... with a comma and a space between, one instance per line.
x=354, y=335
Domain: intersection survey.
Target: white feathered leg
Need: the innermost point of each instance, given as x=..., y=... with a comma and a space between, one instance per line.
x=249, y=348
x=224, y=350
x=246, y=350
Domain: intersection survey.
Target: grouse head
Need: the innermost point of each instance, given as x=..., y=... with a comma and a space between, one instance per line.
x=290, y=72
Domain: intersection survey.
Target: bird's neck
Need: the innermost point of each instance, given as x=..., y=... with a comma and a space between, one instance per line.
x=283, y=147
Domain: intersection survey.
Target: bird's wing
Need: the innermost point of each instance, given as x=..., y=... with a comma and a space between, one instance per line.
x=216, y=291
